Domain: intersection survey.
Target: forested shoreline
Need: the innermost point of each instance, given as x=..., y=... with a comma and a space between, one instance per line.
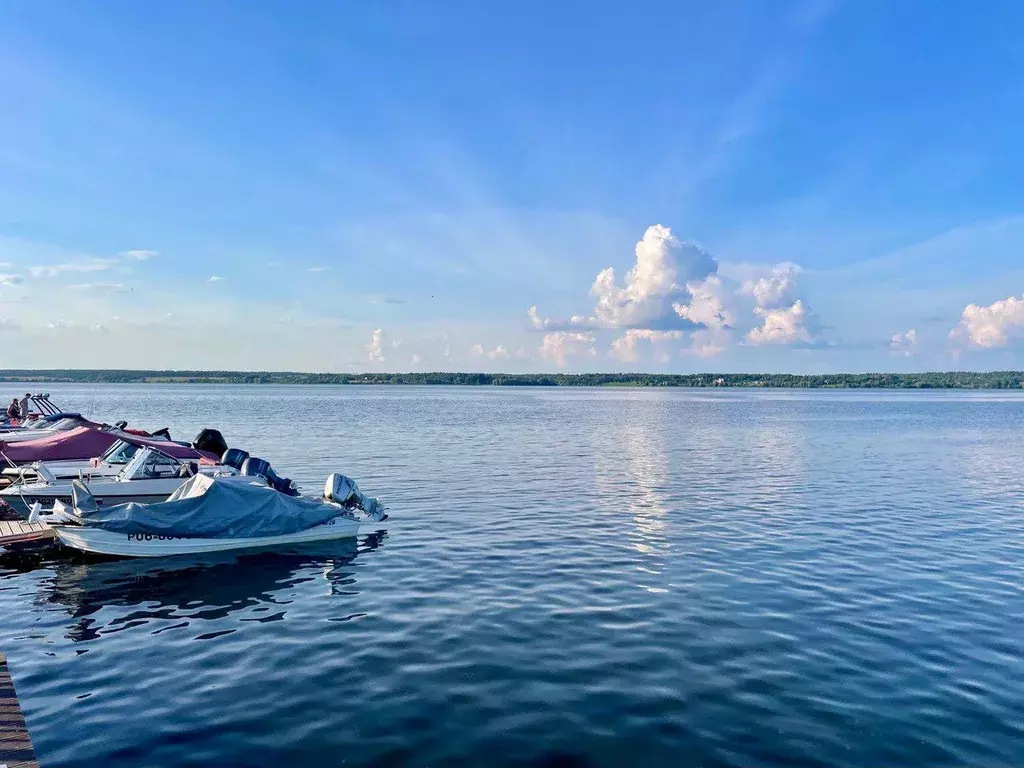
x=933, y=380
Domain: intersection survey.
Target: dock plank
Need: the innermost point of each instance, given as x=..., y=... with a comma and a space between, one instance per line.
x=15, y=745
x=16, y=532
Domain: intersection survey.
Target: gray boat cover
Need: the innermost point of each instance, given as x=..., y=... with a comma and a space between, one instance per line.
x=208, y=507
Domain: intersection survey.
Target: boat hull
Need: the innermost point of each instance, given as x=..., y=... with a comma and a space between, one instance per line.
x=101, y=542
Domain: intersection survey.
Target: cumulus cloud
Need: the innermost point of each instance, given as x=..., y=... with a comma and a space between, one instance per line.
x=785, y=325
x=375, y=348
x=139, y=254
x=776, y=289
x=784, y=318
x=707, y=304
x=709, y=342
x=996, y=325
x=498, y=353
x=11, y=279
x=905, y=343
x=559, y=346
x=574, y=323
x=675, y=286
x=624, y=348
x=664, y=264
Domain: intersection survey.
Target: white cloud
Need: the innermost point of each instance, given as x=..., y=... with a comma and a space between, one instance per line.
x=574, y=323
x=775, y=290
x=214, y=279
x=11, y=279
x=785, y=325
x=707, y=304
x=996, y=325
x=318, y=269
x=416, y=359
x=709, y=342
x=562, y=345
x=624, y=348
x=107, y=287
x=663, y=265
x=375, y=348
x=139, y=255
x=54, y=270
x=71, y=325
x=535, y=318
x=498, y=353
x=904, y=343
x=8, y=325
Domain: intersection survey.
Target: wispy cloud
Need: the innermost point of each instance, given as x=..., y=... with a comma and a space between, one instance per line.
x=101, y=287
x=139, y=255
x=55, y=270
x=214, y=279
x=11, y=279
x=318, y=269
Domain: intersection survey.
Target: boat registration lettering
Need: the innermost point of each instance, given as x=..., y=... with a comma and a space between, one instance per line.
x=151, y=537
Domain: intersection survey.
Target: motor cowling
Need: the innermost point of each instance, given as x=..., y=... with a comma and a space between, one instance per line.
x=211, y=441
x=234, y=457
x=254, y=467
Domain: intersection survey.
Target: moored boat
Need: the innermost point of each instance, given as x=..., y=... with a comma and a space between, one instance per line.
x=209, y=514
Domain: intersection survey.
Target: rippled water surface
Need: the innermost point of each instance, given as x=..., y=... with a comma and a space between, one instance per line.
x=569, y=577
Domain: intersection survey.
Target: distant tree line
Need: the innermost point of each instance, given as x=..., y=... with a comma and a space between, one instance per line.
x=936, y=380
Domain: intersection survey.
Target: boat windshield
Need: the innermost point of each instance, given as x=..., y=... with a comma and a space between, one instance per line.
x=149, y=464
x=120, y=453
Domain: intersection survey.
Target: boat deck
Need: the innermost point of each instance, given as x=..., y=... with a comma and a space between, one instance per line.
x=15, y=746
x=19, y=532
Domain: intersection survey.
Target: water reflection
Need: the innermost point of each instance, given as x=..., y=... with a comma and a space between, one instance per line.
x=189, y=589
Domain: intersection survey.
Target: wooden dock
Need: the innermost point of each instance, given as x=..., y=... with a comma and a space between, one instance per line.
x=18, y=532
x=15, y=746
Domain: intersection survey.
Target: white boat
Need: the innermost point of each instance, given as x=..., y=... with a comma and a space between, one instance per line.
x=151, y=475
x=100, y=542
x=108, y=465
x=205, y=514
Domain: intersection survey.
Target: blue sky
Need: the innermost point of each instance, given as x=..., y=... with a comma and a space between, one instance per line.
x=804, y=186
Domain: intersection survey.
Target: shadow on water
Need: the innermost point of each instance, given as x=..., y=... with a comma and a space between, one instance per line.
x=190, y=588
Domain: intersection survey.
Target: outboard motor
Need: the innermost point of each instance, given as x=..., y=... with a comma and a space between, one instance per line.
x=211, y=441
x=280, y=484
x=253, y=467
x=234, y=457
x=165, y=433
x=343, y=490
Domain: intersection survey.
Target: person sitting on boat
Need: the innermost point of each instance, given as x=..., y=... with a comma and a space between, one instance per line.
x=23, y=406
x=14, y=410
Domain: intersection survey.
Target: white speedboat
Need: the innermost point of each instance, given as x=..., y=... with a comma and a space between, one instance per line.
x=208, y=514
x=151, y=475
x=109, y=464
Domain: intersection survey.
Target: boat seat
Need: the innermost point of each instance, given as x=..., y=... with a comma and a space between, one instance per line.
x=234, y=457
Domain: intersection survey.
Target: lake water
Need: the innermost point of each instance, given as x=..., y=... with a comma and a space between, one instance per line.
x=570, y=577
